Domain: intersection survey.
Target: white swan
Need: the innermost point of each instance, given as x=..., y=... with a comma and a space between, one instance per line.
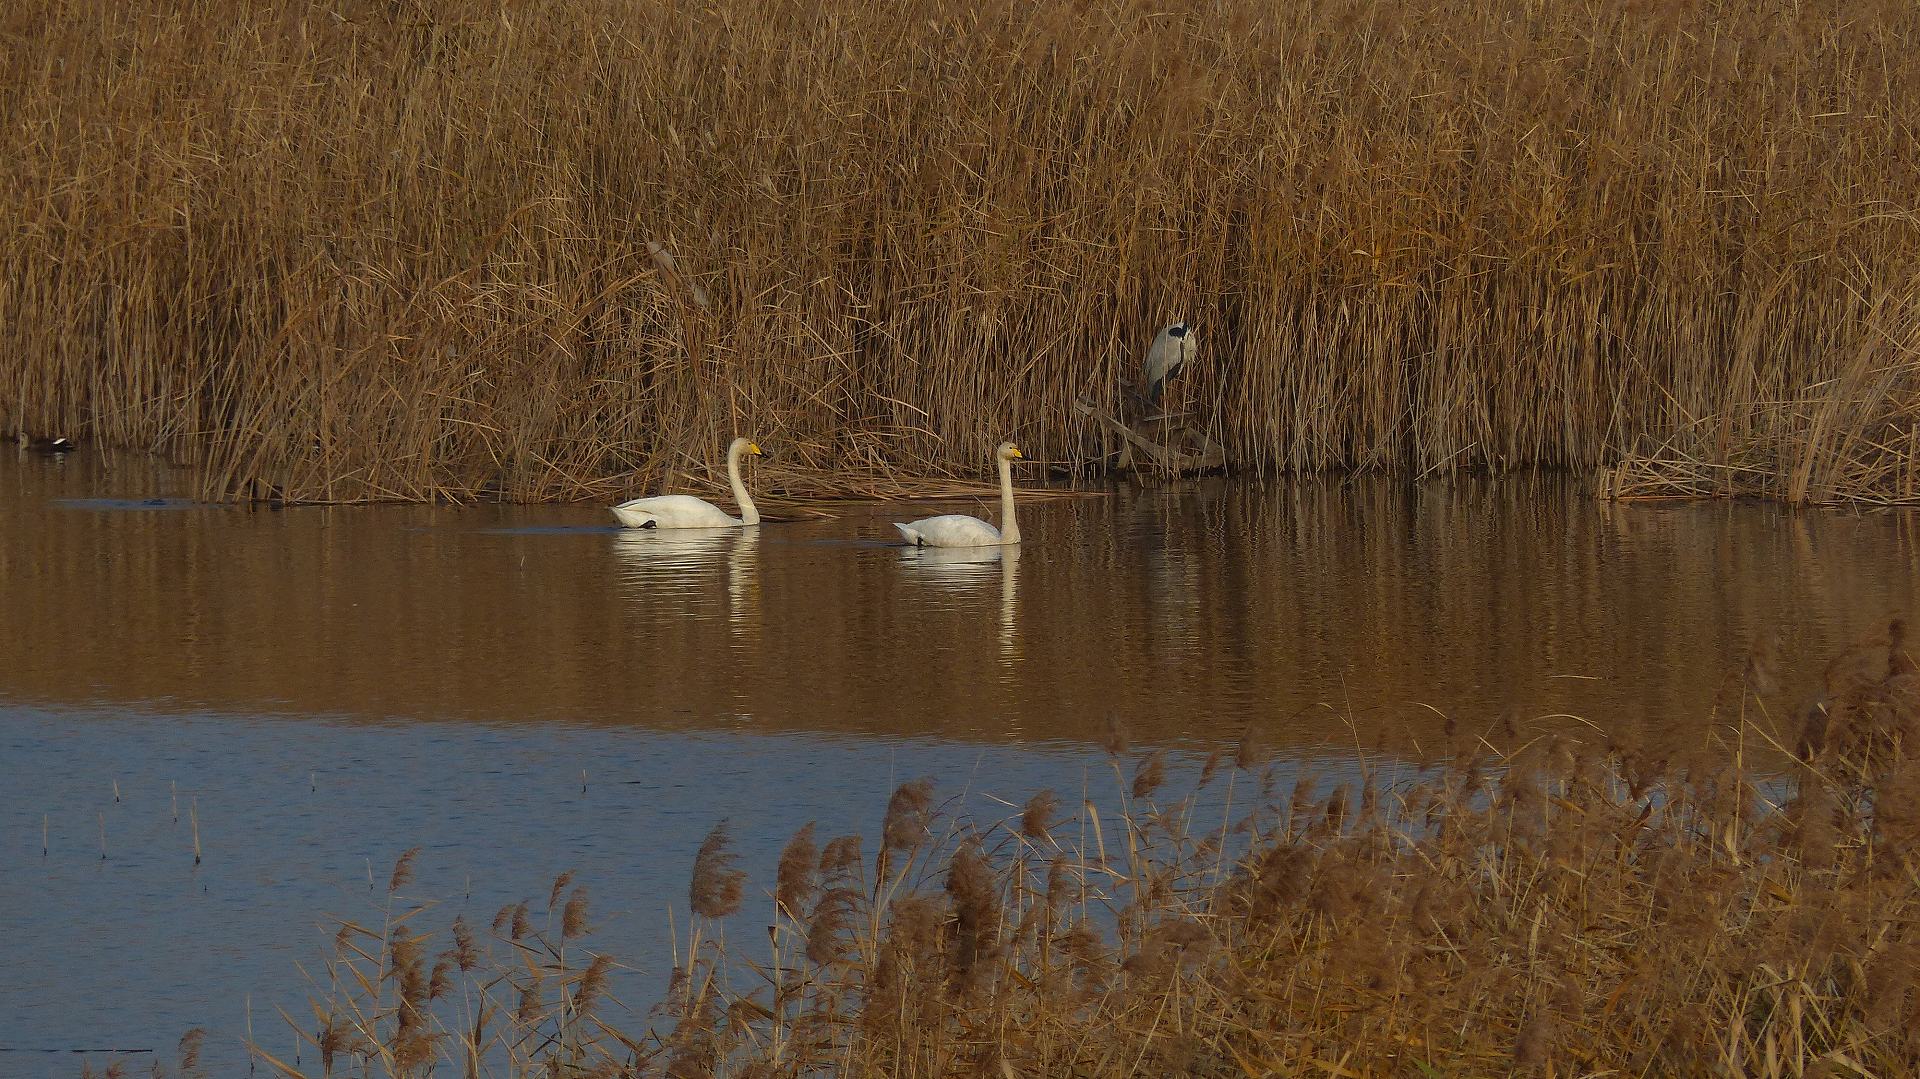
x=686, y=511
x=959, y=530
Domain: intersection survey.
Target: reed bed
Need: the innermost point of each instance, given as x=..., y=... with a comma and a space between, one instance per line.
x=1852, y=438
x=1516, y=905
x=463, y=249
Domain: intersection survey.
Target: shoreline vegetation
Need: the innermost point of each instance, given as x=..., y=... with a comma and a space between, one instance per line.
x=458, y=250
x=1513, y=904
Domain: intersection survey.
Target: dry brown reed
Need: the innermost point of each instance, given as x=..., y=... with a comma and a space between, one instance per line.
x=716, y=887
x=1536, y=906
x=1036, y=819
x=403, y=870
x=799, y=872
x=1851, y=437
x=445, y=249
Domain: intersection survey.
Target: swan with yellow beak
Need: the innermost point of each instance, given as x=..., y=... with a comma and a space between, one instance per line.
x=686, y=511
x=960, y=530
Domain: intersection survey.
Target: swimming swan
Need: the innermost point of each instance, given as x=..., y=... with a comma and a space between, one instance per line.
x=686, y=511
x=959, y=530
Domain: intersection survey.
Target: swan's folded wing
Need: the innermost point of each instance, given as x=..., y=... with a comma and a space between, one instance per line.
x=951, y=530
x=672, y=511
x=633, y=515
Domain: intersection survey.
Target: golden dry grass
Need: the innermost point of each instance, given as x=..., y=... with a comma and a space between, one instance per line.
x=1521, y=905
x=461, y=248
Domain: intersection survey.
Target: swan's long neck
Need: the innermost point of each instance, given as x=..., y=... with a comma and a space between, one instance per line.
x=749, y=514
x=1009, y=528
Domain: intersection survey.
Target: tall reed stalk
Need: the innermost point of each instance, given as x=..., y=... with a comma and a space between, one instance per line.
x=462, y=249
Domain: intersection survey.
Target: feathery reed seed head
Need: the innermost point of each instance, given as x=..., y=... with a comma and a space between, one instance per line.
x=1037, y=818
x=466, y=955
x=402, y=870
x=1149, y=774
x=840, y=858
x=908, y=811
x=573, y=918
x=798, y=875
x=717, y=887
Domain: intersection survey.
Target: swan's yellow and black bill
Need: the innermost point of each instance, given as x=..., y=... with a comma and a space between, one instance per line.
x=1015, y=451
x=754, y=448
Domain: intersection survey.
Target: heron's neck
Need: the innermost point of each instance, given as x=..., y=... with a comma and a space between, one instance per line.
x=1009, y=528
x=749, y=514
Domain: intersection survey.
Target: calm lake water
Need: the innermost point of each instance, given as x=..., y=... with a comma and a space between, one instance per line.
x=325, y=687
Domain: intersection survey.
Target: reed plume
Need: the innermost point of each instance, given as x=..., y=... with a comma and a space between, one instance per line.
x=1037, y=817
x=716, y=888
x=974, y=892
x=840, y=858
x=905, y=825
x=402, y=870
x=559, y=888
x=1149, y=774
x=189, y=1050
x=573, y=918
x=798, y=875
x=465, y=953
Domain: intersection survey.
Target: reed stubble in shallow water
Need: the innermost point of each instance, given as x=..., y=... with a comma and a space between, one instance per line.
x=1521, y=905
x=359, y=251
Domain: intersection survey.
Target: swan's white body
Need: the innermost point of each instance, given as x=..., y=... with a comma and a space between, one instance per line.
x=959, y=530
x=686, y=511
x=951, y=530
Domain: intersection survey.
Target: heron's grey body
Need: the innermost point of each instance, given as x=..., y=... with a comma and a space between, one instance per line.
x=1168, y=353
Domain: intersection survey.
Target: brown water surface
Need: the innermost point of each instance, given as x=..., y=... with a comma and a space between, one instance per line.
x=1317, y=610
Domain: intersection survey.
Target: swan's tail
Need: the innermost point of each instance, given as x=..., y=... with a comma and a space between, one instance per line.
x=635, y=518
x=912, y=536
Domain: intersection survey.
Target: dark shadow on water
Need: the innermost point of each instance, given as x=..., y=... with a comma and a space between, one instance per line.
x=555, y=530
x=134, y=505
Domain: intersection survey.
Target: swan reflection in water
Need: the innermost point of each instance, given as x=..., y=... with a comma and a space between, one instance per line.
x=963, y=569
x=662, y=563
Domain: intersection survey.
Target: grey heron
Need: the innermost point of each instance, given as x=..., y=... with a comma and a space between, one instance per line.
x=1168, y=353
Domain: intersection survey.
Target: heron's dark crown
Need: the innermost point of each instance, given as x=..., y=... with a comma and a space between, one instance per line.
x=1178, y=329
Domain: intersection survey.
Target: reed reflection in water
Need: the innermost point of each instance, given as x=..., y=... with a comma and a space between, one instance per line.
x=1327, y=612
